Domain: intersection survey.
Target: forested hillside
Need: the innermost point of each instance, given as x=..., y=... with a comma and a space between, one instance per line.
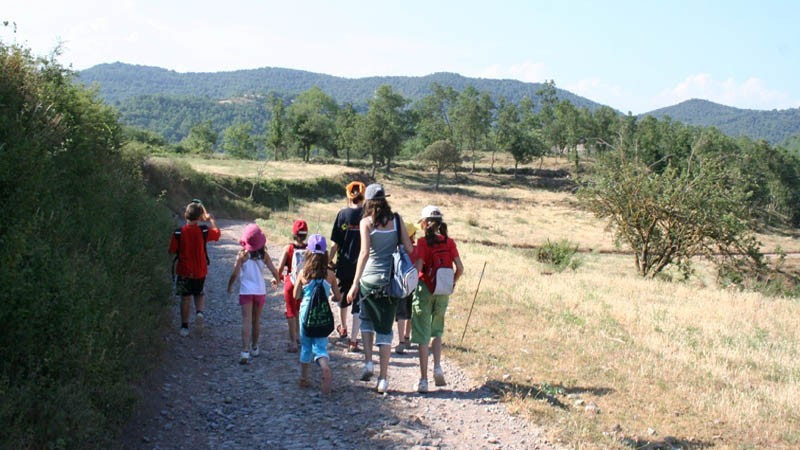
x=775, y=126
x=119, y=82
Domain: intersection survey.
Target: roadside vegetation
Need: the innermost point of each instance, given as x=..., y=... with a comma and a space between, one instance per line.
x=656, y=308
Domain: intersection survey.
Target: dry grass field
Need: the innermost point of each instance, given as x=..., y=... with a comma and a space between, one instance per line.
x=599, y=356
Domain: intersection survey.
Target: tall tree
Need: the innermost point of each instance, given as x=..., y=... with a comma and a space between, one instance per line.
x=277, y=132
x=345, y=129
x=434, y=115
x=442, y=155
x=472, y=117
x=202, y=138
x=385, y=126
x=311, y=121
x=238, y=142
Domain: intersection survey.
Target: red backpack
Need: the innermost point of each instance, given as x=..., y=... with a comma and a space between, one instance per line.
x=439, y=268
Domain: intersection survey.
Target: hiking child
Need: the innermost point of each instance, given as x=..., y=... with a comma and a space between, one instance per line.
x=379, y=239
x=249, y=268
x=292, y=261
x=436, y=254
x=188, y=244
x=316, y=276
x=403, y=314
x=345, y=247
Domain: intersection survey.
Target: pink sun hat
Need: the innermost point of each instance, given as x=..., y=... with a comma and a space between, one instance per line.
x=253, y=238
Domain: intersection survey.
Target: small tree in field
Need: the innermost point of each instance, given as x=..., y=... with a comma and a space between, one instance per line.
x=668, y=218
x=442, y=155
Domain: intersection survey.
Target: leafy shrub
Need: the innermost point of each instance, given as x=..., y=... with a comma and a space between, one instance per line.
x=560, y=255
x=82, y=249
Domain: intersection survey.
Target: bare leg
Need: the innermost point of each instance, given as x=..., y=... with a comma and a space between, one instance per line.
x=247, y=325
x=385, y=354
x=343, y=310
x=423, y=361
x=186, y=302
x=257, y=323
x=304, y=367
x=293, y=332
x=367, y=338
x=356, y=328
x=199, y=302
x=325, y=381
x=401, y=326
x=436, y=349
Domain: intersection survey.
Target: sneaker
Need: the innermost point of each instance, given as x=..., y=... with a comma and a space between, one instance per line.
x=400, y=349
x=244, y=358
x=184, y=331
x=438, y=376
x=421, y=386
x=352, y=347
x=383, y=386
x=254, y=350
x=366, y=374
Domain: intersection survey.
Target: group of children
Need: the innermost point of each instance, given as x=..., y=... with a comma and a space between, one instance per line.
x=308, y=261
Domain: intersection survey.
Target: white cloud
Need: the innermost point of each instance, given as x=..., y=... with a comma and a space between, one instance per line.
x=751, y=93
x=528, y=72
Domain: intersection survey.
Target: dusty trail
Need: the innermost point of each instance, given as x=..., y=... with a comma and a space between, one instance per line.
x=203, y=399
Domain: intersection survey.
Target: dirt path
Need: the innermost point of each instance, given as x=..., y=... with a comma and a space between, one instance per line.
x=205, y=400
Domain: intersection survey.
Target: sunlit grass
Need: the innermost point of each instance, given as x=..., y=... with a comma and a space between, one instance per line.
x=679, y=364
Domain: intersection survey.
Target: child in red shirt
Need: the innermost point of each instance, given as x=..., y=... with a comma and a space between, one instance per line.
x=188, y=244
x=293, y=253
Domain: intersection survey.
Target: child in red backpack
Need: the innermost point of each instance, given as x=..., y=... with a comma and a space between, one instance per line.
x=189, y=246
x=436, y=254
x=293, y=259
x=251, y=263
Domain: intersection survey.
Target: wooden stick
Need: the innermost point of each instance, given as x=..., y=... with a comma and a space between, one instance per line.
x=473, y=303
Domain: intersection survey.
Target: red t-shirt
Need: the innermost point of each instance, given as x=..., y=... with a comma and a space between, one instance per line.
x=425, y=253
x=192, y=259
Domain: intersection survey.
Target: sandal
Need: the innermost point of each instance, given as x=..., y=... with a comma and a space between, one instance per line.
x=304, y=383
x=342, y=331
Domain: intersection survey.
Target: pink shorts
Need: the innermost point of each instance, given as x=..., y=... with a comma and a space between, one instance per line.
x=292, y=304
x=257, y=300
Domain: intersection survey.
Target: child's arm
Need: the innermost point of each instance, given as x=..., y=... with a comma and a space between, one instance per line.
x=298, y=287
x=337, y=295
x=459, y=269
x=284, y=264
x=268, y=263
x=237, y=266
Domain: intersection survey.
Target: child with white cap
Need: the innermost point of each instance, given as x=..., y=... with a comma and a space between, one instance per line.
x=436, y=254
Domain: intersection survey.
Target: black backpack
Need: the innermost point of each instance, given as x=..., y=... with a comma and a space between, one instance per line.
x=177, y=234
x=318, y=320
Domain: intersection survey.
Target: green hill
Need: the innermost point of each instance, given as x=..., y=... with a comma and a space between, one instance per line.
x=775, y=126
x=119, y=82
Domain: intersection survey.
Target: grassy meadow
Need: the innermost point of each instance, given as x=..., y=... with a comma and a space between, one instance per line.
x=598, y=356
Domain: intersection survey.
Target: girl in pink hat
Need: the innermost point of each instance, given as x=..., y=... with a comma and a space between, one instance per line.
x=249, y=268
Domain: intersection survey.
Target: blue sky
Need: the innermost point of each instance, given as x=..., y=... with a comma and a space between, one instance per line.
x=631, y=55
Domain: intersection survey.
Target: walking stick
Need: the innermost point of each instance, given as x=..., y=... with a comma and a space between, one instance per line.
x=473, y=303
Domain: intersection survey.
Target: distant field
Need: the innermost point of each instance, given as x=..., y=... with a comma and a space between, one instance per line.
x=599, y=356
x=271, y=169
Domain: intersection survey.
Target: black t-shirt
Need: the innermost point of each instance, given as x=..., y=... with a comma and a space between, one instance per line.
x=346, y=235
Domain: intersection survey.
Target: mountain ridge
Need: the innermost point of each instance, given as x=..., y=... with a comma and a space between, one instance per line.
x=132, y=86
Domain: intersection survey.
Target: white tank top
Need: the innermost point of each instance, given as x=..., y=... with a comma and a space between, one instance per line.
x=251, y=278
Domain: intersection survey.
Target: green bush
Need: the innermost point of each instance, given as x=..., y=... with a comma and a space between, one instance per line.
x=560, y=255
x=82, y=247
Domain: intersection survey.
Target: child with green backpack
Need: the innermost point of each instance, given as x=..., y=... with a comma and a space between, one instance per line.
x=314, y=285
